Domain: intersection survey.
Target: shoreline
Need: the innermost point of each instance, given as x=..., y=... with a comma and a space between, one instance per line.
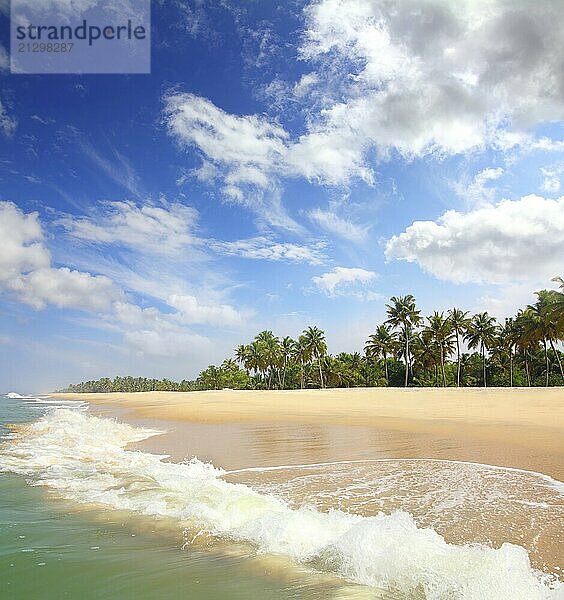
x=520, y=427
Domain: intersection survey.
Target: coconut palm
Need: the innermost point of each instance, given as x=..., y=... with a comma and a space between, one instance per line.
x=523, y=340
x=459, y=321
x=442, y=333
x=426, y=355
x=404, y=316
x=302, y=355
x=286, y=351
x=542, y=328
x=555, y=308
x=315, y=342
x=381, y=344
x=481, y=333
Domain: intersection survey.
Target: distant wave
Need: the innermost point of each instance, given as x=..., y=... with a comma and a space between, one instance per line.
x=84, y=459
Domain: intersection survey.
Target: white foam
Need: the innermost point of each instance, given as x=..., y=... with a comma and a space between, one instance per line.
x=554, y=483
x=84, y=458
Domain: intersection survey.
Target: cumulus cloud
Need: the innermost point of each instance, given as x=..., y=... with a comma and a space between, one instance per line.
x=344, y=281
x=162, y=229
x=434, y=77
x=384, y=78
x=507, y=242
x=264, y=248
x=25, y=268
x=336, y=225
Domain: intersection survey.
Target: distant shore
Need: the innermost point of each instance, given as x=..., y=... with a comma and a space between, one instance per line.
x=521, y=427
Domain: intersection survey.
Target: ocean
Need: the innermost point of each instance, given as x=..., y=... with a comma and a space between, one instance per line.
x=84, y=516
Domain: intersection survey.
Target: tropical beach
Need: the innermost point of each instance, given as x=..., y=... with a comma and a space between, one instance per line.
x=508, y=427
x=282, y=300
x=433, y=476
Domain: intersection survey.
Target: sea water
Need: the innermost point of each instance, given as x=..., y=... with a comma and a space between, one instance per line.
x=82, y=515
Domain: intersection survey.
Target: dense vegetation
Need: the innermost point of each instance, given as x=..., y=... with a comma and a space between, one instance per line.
x=406, y=349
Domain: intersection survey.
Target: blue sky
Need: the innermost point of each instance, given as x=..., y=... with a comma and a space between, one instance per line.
x=284, y=164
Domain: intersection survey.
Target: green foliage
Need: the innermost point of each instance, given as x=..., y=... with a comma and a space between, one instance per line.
x=405, y=350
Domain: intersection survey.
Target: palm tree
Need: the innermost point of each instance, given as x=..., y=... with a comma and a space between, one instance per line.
x=315, y=342
x=403, y=315
x=543, y=329
x=382, y=343
x=302, y=354
x=481, y=333
x=286, y=351
x=523, y=339
x=555, y=308
x=442, y=332
x=426, y=354
x=459, y=321
x=507, y=340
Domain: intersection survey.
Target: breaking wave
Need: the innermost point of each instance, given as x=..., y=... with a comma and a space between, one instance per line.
x=84, y=458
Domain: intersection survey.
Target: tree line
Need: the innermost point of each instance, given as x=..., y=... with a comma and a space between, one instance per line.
x=443, y=349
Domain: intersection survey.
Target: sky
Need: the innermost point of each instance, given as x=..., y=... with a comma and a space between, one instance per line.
x=284, y=164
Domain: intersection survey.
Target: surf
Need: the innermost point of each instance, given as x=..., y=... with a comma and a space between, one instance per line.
x=85, y=459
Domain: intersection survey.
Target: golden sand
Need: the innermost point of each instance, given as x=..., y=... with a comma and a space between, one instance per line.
x=520, y=427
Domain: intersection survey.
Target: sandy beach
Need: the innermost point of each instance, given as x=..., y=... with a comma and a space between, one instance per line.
x=521, y=428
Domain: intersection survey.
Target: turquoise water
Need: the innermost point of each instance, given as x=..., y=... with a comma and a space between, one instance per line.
x=81, y=516
x=48, y=550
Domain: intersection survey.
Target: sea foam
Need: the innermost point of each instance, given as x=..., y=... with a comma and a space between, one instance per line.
x=85, y=460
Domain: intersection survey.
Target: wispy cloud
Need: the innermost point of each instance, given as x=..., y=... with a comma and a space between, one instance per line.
x=332, y=223
x=263, y=248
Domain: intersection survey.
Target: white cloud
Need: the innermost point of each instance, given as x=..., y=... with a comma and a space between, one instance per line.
x=8, y=123
x=479, y=191
x=431, y=76
x=151, y=228
x=551, y=178
x=115, y=165
x=246, y=151
x=511, y=241
x=64, y=288
x=25, y=268
x=341, y=227
x=263, y=248
x=344, y=281
x=169, y=343
x=253, y=153
x=191, y=310
x=22, y=242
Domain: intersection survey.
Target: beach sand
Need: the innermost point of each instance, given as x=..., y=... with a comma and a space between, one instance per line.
x=520, y=427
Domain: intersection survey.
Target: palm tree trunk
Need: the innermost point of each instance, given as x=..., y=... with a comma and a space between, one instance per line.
x=557, y=358
x=484, y=364
x=546, y=361
x=320, y=372
x=443, y=366
x=527, y=367
x=406, y=357
x=386, y=368
x=510, y=367
x=457, y=360
x=302, y=374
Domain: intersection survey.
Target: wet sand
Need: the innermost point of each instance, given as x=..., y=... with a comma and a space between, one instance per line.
x=522, y=428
